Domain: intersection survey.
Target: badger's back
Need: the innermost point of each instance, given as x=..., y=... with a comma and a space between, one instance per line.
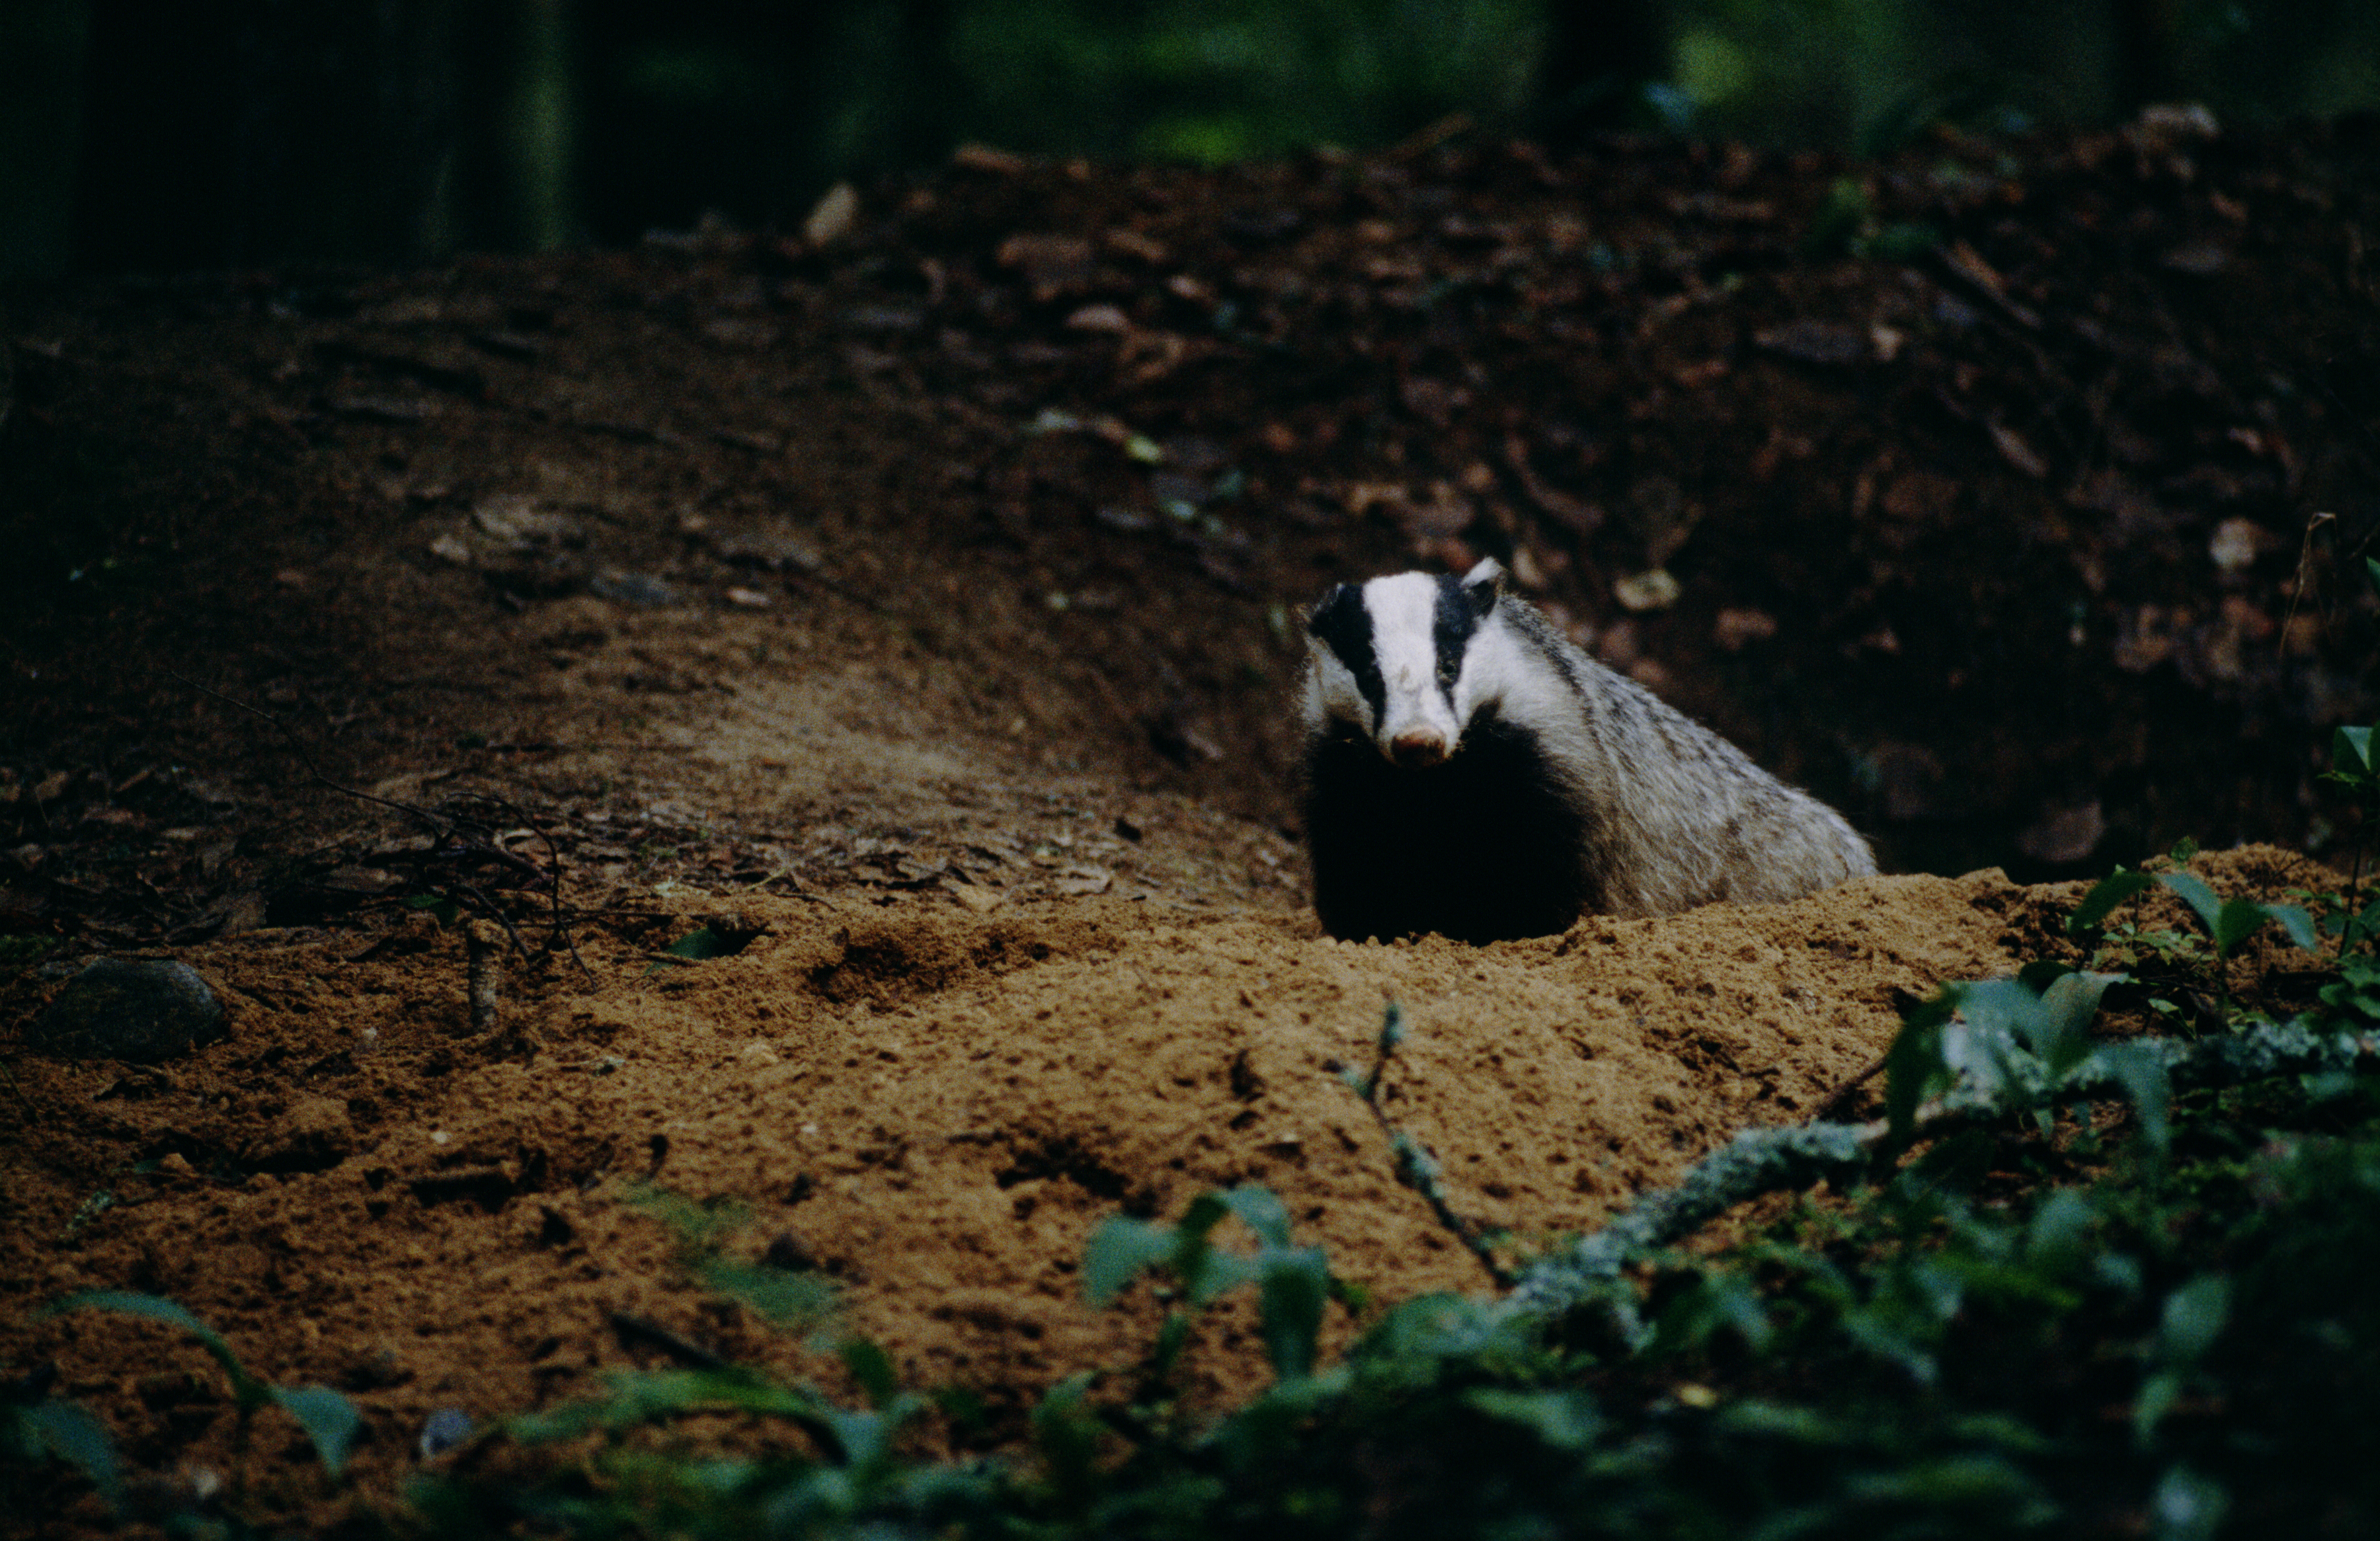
x=1674, y=814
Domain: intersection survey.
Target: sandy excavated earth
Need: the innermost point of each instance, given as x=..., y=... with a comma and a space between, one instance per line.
x=919, y=617
x=930, y=1098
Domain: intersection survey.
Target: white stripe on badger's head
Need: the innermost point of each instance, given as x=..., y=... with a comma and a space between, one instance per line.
x=1392, y=659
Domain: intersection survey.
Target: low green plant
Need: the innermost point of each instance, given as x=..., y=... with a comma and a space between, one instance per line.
x=788, y=1298
x=330, y=1420
x=34, y=1426
x=19, y=953
x=2228, y=924
x=1292, y=1282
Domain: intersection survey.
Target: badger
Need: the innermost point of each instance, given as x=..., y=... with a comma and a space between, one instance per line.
x=1470, y=772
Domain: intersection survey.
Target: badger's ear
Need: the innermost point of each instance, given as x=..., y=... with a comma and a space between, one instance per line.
x=1484, y=585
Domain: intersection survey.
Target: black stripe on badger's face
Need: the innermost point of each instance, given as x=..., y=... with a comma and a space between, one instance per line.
x=1451, y=627
x=1342, y=623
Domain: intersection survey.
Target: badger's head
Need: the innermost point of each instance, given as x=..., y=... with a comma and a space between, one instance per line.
x=1391, y=661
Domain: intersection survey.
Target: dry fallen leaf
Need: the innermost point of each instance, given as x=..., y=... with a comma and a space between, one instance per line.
x=833, y=215
x=1652, y=590
x=2017, y=453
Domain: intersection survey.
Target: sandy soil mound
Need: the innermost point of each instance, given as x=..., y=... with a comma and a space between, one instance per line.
x=929, y=1106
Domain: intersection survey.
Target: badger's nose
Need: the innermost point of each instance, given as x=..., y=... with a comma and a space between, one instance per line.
x=1416, y=747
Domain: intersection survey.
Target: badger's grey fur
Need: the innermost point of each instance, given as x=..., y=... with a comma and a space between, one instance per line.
x=1470, y=772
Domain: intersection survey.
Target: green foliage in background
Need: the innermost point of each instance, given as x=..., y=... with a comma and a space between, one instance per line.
x=1214, y=80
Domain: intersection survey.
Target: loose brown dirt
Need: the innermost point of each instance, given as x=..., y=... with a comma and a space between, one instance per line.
x=916, y=613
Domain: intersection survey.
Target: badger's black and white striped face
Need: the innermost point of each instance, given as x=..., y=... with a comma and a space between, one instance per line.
x=1399, y=659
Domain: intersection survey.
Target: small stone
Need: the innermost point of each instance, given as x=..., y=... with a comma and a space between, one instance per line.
x=976, y=896
x=641, y=589
x=1084, y=881
x=442, y=1430
x=141, y=1009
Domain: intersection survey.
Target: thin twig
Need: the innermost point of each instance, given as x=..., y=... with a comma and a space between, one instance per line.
x=633, y=1329
x=1416, y=1167
x=448, y=837
x=430, y=821
x=1833, y=1101
x=480, y=972
x=554, y=872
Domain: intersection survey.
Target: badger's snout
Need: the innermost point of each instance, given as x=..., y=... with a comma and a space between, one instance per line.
x=1416, y=749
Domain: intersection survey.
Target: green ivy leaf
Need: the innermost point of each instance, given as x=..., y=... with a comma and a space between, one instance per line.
x=1291, y=1293
x=329, y=1419
x=699, y=946
x=1914, y=1064
x=2195, y=1317
x=2042, y=973
x=2068, y=1008
x=1068, y=1435
x=2104, y=897
x=2351, y=749
x=2055, y=1240
x=2158, y=1393
x=2237, y=921
x=1260, y=1212
x=78, y=1436
x=1212, y=1272
x=785, y=1298
x=871, y=1367
x=2294, y=920
x=1562, y=1420
x=2140, y=1071
x=2198, y=896
x=447, y=912
x=2187, y=1506
x=246, y=1390
x=1117, y=1253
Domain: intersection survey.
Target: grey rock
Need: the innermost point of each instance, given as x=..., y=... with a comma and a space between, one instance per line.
x=141, y=1009
x=642, y=589
x=442, y=1431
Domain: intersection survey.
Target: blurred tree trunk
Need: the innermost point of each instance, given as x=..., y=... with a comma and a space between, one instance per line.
x=41, y=48
x=2146, y=69
x=1599, y=53
x=927, y=95
x=228, y=132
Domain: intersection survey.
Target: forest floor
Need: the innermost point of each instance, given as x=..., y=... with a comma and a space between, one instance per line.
x=912, y=606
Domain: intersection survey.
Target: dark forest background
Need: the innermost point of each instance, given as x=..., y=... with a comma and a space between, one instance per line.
x=143, y=135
